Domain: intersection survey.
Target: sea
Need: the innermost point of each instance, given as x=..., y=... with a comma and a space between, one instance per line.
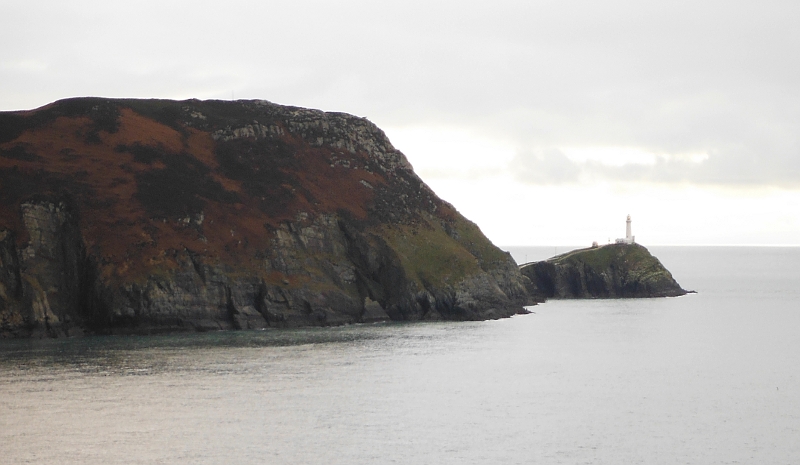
x=707, y=378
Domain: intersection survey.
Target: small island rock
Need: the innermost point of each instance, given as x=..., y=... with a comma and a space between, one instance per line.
x=610, y=271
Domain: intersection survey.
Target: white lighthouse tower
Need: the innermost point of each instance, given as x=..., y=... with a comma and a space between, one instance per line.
x=629, y=238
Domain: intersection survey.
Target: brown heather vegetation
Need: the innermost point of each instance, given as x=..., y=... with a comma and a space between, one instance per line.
x=136, y=185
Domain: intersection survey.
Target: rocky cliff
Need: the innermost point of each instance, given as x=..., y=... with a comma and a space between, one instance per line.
x=610, y=271
x=153, y=215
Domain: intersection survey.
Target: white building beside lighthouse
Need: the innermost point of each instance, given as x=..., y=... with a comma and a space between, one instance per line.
x=629, y=238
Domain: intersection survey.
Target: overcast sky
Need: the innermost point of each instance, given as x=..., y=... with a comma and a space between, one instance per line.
x=545, y=122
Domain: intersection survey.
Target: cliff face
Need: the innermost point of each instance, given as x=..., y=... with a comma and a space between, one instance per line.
x=610, y=271
x=146, y=215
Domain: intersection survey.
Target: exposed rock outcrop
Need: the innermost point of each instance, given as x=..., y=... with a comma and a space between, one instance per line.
x=147, y=215
x=610, y=271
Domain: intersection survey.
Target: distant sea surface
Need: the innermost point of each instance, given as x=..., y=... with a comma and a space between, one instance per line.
x=709, y=378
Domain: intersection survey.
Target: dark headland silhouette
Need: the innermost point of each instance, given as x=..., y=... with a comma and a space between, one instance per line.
x=155, y=215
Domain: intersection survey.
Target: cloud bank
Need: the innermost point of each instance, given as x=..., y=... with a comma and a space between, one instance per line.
x=706, y=92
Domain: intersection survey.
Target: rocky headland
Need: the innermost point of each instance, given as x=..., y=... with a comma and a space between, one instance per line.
x=121, y=216
x=609, y=271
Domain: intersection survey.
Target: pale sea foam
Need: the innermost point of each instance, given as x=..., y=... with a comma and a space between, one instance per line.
x=710, y=378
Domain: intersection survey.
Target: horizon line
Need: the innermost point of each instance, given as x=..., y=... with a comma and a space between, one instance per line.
x=657, y=245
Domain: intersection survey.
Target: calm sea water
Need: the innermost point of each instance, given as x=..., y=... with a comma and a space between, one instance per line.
x=711, y=378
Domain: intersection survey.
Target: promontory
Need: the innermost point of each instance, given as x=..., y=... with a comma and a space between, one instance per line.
x=622, y=270
x=154, y=215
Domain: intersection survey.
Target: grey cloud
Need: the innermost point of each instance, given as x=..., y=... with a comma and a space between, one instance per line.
x=734, y=168
x=547, y=166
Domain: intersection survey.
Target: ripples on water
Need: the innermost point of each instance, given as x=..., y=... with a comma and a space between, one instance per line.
x=706, y=378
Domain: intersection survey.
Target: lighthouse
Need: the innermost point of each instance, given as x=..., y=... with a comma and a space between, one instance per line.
x=629, y=238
